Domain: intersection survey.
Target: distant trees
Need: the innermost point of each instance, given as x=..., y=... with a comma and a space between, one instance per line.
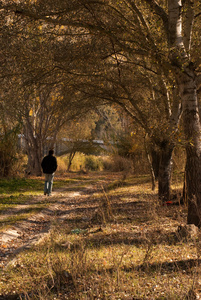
x=43, y=116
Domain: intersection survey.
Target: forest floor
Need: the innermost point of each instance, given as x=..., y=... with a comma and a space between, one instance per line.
x=23, y=225
x=96, y=237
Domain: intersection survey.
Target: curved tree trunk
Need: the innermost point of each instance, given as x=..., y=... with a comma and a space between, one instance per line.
x=71, y=156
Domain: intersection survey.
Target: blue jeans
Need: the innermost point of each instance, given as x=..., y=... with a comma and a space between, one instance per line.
x=48, y=183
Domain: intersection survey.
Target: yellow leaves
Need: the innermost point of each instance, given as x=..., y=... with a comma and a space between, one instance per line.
x=31, y=112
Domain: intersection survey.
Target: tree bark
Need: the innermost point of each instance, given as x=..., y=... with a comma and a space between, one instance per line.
x=155, y=158
x=34, y=162
x=192, y=131
x=71, y=156
x=186, y=80
x=153, y=178
x=34, y=151
x=165, y=169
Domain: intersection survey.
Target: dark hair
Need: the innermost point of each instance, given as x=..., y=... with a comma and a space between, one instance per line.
x=51, y=152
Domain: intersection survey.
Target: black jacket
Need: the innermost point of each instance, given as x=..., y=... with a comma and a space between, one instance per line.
x=49, y=164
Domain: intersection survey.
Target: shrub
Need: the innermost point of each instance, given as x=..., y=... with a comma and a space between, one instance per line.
x=62, y=164
x=8, y=151
x=80, y=161
x=117, y=163
x=113, y=163
x=93, y=163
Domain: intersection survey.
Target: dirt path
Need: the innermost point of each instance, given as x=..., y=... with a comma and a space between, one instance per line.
x=73, y=204
x=24, y=234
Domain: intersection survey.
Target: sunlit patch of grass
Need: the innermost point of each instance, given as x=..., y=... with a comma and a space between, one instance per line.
x=16, y=186
x=21, y=190
x=20, y=216
x=131, y=185
x=12, y=201
x=9, y=201
x=19, y=185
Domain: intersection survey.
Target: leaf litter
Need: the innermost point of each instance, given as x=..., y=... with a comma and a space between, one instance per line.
x=140, y=232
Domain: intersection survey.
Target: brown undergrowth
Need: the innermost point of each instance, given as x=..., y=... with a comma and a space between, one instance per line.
x=111, y=240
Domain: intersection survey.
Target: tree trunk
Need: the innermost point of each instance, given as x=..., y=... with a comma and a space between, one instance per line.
x=34, y=152
x=192, y=131
x=153, y=177
x=155, y=157
x=180, y=43
x=165, y=168
x=34, y=162
x=71, y=156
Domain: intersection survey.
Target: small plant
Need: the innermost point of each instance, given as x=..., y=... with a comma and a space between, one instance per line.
x=92, y=163
x=117, y=163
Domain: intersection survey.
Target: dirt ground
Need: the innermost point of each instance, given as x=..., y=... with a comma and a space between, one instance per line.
x=165, y=260
x=65, y=203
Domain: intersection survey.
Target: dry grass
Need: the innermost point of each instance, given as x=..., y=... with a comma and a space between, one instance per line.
x=114, y=244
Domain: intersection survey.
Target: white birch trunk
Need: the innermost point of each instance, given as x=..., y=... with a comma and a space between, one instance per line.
x=186, y=80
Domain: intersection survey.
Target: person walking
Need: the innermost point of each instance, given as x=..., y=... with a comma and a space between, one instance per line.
x=49, y=166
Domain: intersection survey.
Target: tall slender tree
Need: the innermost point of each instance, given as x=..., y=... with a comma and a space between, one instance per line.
x=180, y=36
